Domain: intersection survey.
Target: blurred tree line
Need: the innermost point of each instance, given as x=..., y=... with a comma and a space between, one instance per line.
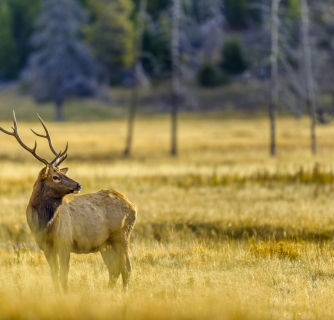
x=220, y=41
x=109, y=33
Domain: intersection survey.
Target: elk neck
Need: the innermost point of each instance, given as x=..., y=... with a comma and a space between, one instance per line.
x=45, y=203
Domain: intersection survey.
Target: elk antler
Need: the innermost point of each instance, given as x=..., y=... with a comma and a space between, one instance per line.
x=15, y=134
x=60, y=157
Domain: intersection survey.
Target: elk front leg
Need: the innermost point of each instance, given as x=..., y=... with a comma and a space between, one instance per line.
x=64, y=262
x=52, y=259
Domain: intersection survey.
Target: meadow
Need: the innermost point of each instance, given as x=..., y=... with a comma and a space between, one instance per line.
x=223, y=231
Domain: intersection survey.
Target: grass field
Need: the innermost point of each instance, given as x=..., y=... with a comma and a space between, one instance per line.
x=223, y=232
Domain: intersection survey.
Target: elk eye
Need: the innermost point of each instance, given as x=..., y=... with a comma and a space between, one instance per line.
x=55, y=178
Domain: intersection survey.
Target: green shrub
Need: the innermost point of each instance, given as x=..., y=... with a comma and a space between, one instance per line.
x=210, y=76
x=234, y=61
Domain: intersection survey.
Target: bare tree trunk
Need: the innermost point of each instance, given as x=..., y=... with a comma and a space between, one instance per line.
x=175, y=78
x=310, y=101
x=59, y=111
x=135, y=88
x=274, y=74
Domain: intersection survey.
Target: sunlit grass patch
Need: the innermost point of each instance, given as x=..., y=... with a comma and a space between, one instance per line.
x=280, y=249
x=223, y=231
x=158, y=291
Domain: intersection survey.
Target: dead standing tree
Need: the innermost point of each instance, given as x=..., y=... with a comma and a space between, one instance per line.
x=310, y=100
x=175, y=78
x=135, y=88
x=274, y=74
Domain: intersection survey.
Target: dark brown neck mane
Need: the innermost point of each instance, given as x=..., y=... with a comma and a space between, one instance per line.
x=44, y=204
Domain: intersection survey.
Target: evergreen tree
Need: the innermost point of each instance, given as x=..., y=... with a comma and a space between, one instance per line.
x=8, y=52
x=155, y=7
x=112, y=36
x=61, y=65
x=237, y=13
x=234, y=61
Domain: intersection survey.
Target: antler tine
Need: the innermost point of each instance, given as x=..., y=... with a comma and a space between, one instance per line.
x=47, y=135
x=61, y=160
x=60, y=157
x=15, y=122
x=55, y=158
x=15, y=133
x=66, y=148
x=7, y=132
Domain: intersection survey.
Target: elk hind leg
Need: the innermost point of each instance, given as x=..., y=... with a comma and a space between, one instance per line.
x=124, y=261
x=126, y=270
x=111, y=258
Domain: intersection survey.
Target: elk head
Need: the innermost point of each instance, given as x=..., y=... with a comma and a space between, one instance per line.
x=53, y=179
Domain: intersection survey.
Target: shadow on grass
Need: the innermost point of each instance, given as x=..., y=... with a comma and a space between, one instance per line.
x=215, y=231
x=167, y=232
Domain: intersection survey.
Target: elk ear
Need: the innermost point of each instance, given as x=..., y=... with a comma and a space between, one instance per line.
x=44, y=173
x=64, y=170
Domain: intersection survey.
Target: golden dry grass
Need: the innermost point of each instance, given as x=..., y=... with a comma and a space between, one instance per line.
x=223, y=232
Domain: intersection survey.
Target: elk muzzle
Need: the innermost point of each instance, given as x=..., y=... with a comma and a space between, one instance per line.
x=77, y=189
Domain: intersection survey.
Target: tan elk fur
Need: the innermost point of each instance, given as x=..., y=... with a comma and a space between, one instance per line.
x=62, y=223
x=101, y=221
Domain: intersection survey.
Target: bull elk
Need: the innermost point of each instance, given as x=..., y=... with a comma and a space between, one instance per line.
x=62, y=223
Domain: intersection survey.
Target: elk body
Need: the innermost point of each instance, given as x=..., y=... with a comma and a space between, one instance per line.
x=62, y=223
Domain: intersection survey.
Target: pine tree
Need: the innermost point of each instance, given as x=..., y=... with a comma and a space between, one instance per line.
x=112, y=36
x=61, y=65
x=8, y=52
